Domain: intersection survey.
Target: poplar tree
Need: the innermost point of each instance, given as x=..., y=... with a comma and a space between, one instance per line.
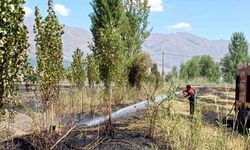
x=107, y=29
x=77, y=68
x=107, y=21
x=238, y=54
x=92, y=71
x=49, y=50
x=136, y=27
x=135, y=32
x=13, y=52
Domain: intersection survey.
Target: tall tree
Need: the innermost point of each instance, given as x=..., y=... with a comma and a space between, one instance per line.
x=107, y=19
x=49, y=50
x=77, y=68
x=238, y=53
x=135, y=31
x=13, y=51
x=136, y=27
x=107, y=22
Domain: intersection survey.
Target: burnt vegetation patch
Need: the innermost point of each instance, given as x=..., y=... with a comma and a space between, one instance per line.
x=124, y=139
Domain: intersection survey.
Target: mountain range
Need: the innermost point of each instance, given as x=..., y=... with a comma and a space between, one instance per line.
x=178, y=47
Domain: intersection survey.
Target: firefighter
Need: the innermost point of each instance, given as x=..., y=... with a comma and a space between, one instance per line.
x=189, y=92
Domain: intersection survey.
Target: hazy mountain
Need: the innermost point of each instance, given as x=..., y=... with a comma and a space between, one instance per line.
x=178, y=47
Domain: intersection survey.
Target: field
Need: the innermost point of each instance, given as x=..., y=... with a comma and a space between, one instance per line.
x=171, y=128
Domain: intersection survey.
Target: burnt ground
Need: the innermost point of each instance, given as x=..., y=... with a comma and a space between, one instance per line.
x=125, y=138
x=94, y=139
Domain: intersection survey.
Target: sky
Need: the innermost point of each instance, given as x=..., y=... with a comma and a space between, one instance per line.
x=211, y=19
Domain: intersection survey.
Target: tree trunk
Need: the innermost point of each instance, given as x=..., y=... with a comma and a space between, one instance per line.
x=52, y=114
x=108, y=95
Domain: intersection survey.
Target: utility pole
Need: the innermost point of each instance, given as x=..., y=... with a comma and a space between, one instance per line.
x=163, y=64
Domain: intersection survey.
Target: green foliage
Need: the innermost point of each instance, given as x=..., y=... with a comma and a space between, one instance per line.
x=200, y=66
x=208, y=68
x=134, y=30
x=119, y=29
x=92, y=70
x=49, y=52
x=172, y=74
x=107, y=19
x=68, y=74
x=139, y=70
x=155, y=74
x=137, y=13
x=154, y=69
x=238, y=54
x=190, y=69
x=182, y=73
x=77, y=68
x=30, y=76
x=111, y=56
x=13, y=51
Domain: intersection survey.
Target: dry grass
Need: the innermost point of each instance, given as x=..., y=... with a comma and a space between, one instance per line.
x=179, y=132
x=173, y=128
x=73, y=104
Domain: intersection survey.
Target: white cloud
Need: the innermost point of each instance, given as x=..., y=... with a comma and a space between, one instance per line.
x=61, y=9
x=181, y=26
x=156, y=5
x=27, y=10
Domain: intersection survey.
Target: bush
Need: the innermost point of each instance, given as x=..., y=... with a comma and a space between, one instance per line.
x=138, y=71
